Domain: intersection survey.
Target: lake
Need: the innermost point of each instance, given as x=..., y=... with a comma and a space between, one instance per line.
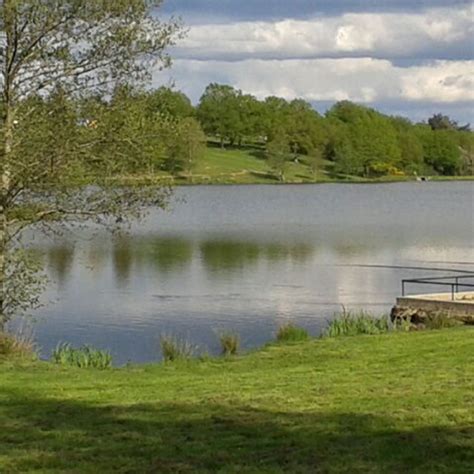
x=247, y=259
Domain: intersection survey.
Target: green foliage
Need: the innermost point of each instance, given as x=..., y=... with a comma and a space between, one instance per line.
x=348, y=323
x=369, y=146
x=278, y=153
x=66, y=118
x=441, y=151
x=174, y=348
x=443, y=122
x=291, y=333
x=220, y=113
x=230, y=343
x=185, y=145
x=441, y=321
x=169, y=102
x=20, y=346
x=85, y=357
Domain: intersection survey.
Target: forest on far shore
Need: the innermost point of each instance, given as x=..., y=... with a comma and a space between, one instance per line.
x=161, y=131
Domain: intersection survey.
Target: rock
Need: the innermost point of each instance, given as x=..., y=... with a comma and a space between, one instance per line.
x=420, y=318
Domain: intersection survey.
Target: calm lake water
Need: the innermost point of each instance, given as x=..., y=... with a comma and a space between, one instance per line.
x=248, y=259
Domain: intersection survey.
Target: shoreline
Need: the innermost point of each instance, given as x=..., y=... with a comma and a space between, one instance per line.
x=178, y=182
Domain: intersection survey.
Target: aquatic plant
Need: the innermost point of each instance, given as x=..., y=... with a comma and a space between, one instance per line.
x=21, y=345
x=174, y=348
x=83, y=357
x=347, y=323
x=289, y=332
x=440, y=321
x=230, y=343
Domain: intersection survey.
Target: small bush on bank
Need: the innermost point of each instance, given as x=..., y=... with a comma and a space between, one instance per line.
x=291, y=333
x=174, y=348
x=84, y=357
x=348, y=323
x=441, y=321
x=20, y=345
x=230, y=343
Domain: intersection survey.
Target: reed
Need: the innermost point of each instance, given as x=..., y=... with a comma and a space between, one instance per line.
x=230, y=343
x=289, y=332
x=84, y=357
x=348, y=323
x=174, y=348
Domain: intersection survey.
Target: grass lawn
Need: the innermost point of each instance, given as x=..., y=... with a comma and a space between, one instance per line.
x=394, y=403
x=247, y=165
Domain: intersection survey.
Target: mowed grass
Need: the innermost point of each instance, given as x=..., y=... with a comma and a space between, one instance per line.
x=248, y=165
x=391, y=403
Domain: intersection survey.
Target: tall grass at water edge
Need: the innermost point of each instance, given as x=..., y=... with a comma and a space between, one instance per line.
x=230, y=343
x=289, y=332
x=84, y=357
x=174, y=348
x=20, y=344
x=349, y=323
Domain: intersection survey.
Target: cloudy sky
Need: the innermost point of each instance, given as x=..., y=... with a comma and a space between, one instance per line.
x=404, y=57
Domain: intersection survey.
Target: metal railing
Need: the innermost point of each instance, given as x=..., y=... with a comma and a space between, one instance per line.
x=454, y=282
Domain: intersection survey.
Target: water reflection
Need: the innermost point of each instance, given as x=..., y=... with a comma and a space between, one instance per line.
x=59, y=262
x=166, y=255
x=227, y=256
x=122, y=258
x=247, y=258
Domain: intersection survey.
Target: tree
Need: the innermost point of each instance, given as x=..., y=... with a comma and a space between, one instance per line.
x=411, y=147
x=54, y=53
x=170, y=102
x=443, y=122
x=186, y=144
x=219, y=112
x=441, y=151
x=369, y=138
x=278, y=152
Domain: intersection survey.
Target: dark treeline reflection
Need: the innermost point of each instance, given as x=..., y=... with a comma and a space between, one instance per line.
x=158, y=254
x=59, y=262
x=129, y=255
x=228, y=255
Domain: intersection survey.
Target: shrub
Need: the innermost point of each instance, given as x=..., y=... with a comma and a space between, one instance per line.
x=440, y=321
x=348, y=323
x=83, y=357
x=230, y=343
x=174, y=348
x=290, y=333
x=19, y=345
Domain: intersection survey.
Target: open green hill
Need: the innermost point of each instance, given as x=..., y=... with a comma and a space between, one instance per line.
x=394, y=403
x=247, y=165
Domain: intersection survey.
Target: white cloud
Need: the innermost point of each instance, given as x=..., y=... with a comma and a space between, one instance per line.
x=370, y=34
x=354, y=56
x=446, y=81
x=358, y=79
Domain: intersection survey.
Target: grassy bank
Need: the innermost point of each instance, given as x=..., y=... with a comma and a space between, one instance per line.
x=247, y=165
x=399, y=402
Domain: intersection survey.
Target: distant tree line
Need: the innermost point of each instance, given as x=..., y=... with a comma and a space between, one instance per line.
x=140, y=131
x=357, y=139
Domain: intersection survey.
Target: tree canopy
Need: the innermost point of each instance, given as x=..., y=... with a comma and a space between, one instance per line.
x=59, y=61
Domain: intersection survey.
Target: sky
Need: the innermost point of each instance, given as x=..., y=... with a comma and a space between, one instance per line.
x=404, y=57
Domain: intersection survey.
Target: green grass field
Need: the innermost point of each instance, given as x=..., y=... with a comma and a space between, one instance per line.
x=394, y=403
x=248, y=165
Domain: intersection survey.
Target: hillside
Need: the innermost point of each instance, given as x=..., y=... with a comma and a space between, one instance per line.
x=247, y=165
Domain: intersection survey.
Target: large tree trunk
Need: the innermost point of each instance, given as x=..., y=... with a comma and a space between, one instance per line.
x=4, y=201
x=9, y=13
x=2, y=267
